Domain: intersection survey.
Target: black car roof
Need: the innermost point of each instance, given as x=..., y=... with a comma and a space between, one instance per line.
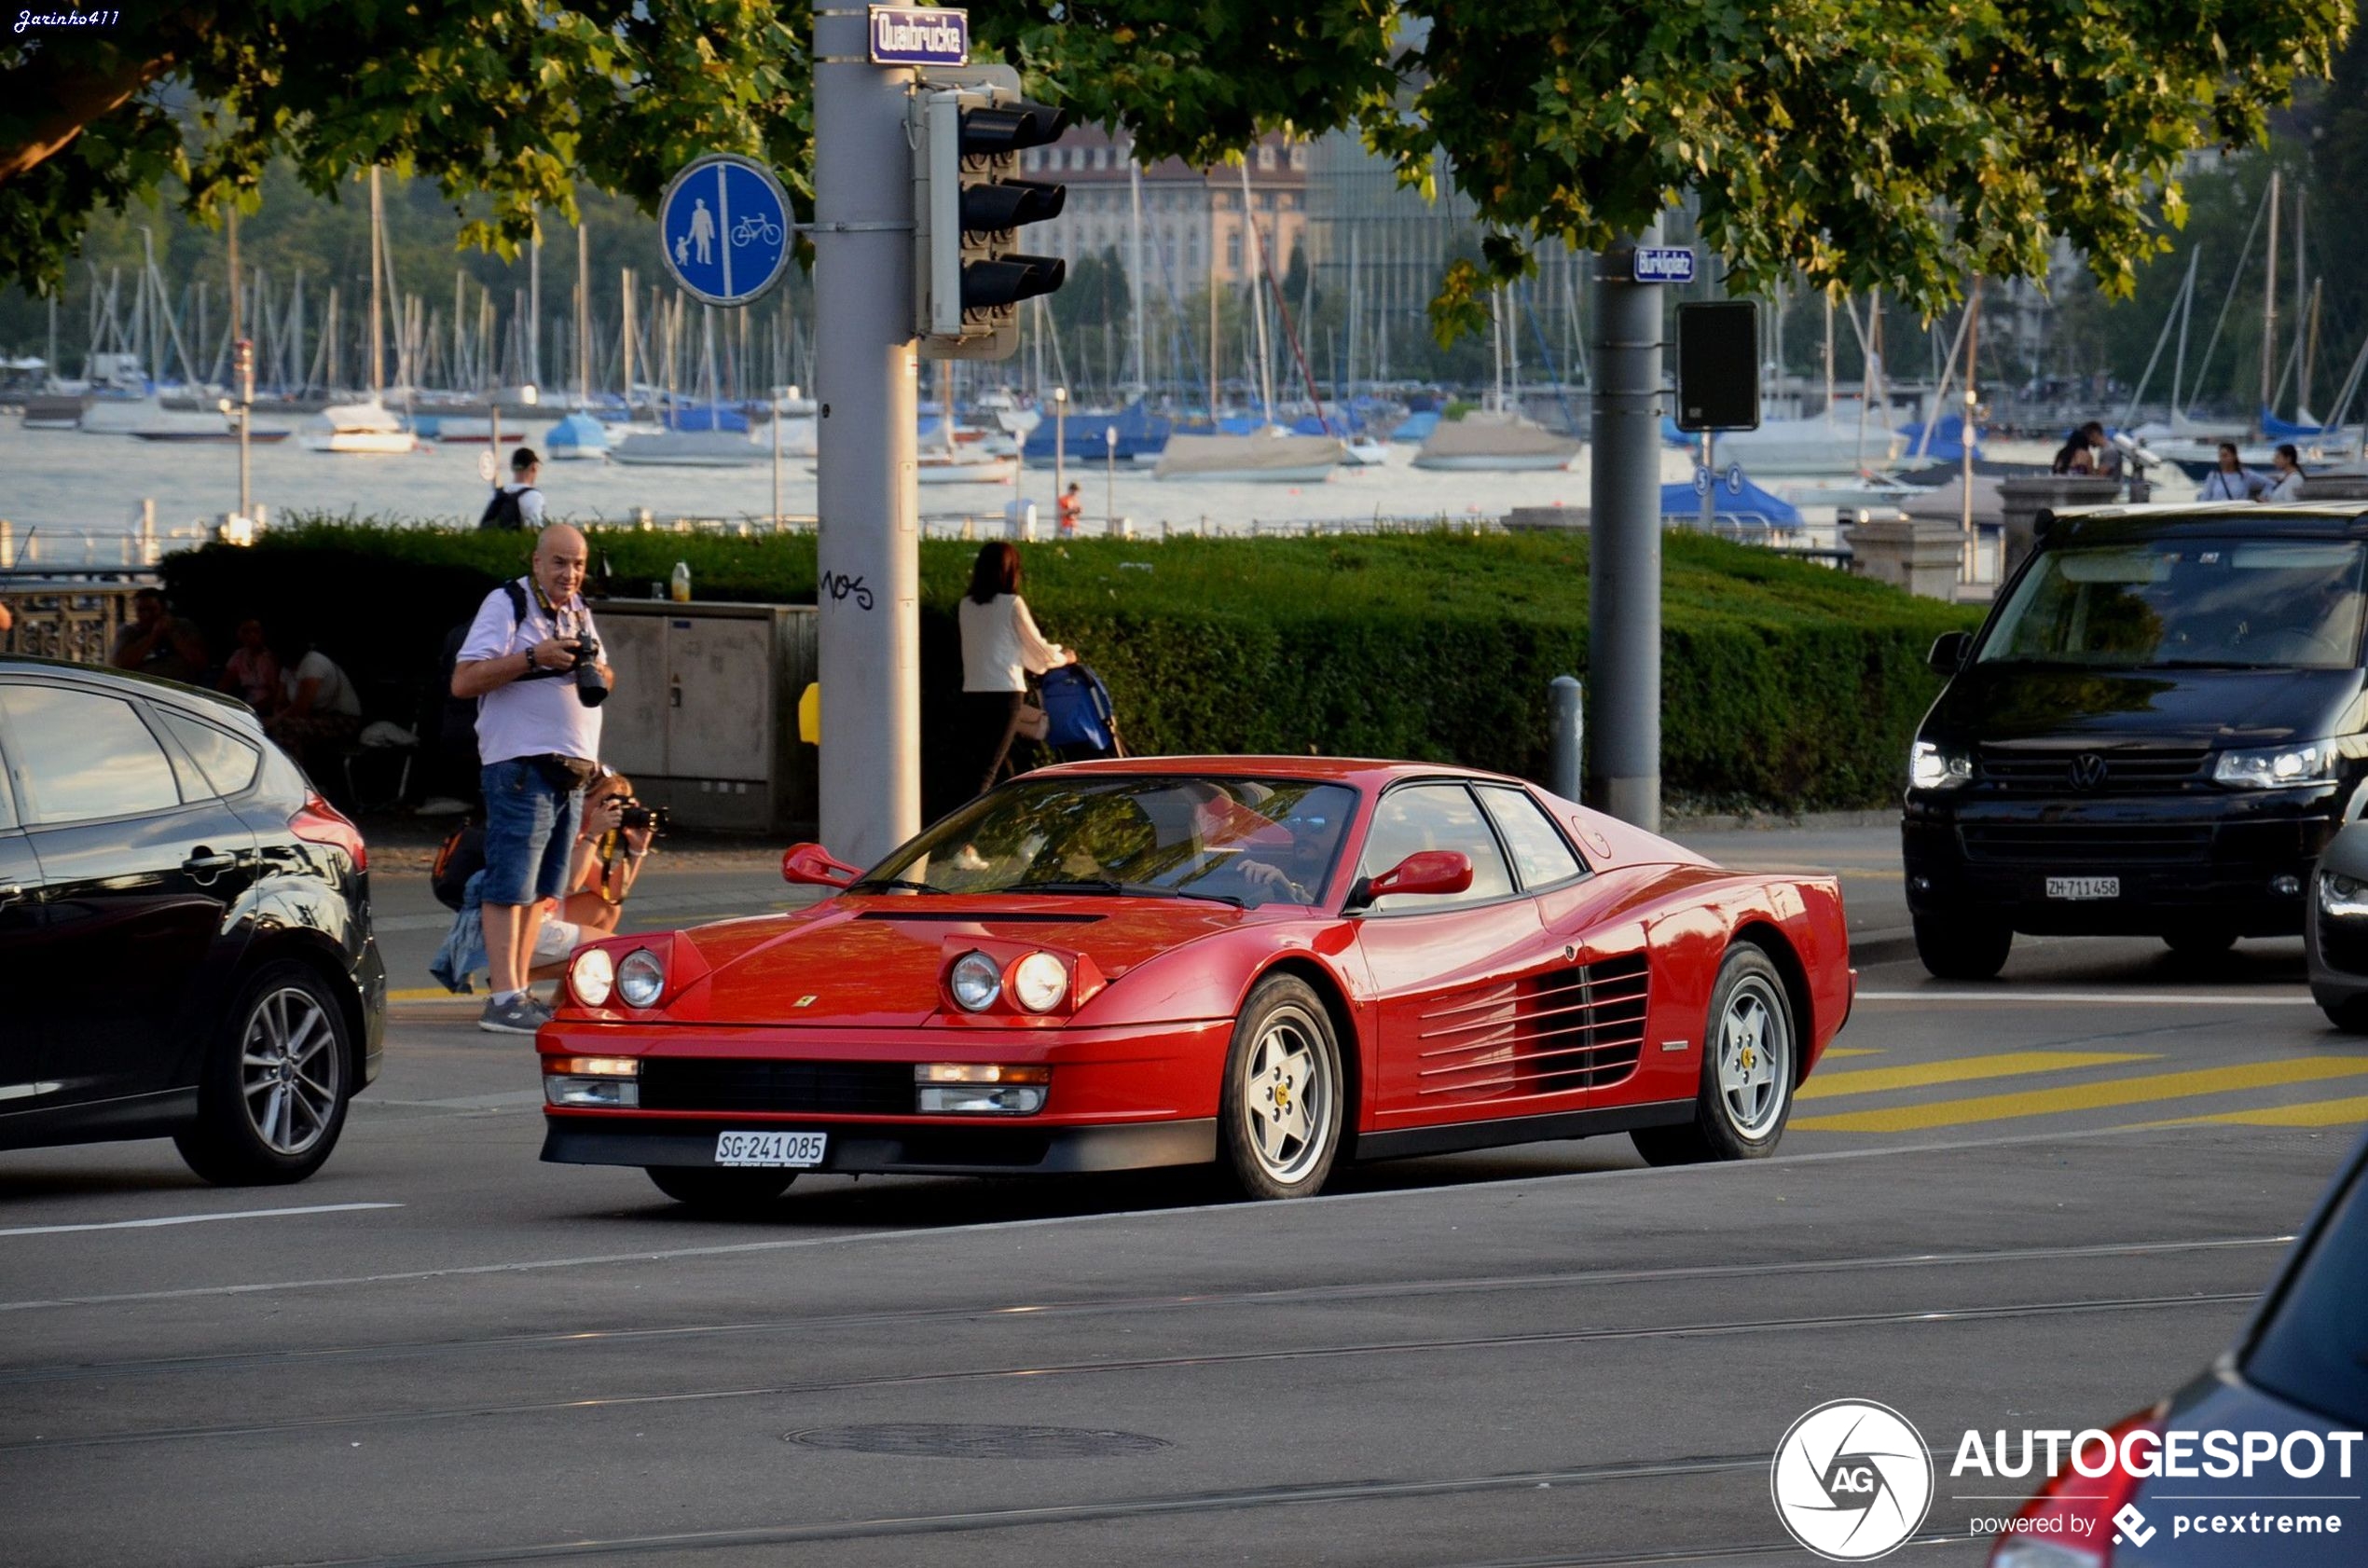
x=2324, y=519
x=215, y=704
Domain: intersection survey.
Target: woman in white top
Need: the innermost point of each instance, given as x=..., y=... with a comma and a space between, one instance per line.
x=2230, y=479
x=1001, y=649
x=2287, y=468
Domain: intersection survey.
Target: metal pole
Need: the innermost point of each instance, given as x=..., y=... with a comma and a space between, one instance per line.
x=1109, y=474
x=245, y=389
x=1060, y=444
x=866, y=373
x=779, y=396
x=2269, y=308
x=1566, y=704
x=1624, y=579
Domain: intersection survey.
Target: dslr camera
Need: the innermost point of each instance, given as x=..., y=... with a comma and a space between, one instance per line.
x=635, y=815
x=591, y=684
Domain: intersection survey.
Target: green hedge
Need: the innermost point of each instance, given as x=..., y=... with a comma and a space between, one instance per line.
x=1784, y=684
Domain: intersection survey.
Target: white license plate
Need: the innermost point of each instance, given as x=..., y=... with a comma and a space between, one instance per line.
x=2083, y=887
x=770, y=1149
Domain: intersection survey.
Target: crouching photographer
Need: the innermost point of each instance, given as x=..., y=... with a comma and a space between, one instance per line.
x=616, y=837
x=617, y=833
x=531, y=660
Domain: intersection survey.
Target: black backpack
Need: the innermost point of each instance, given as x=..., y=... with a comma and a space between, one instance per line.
x=461, y=857
x=504, y=510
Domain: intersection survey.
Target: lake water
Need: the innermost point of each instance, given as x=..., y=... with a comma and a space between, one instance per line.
x=74, y=487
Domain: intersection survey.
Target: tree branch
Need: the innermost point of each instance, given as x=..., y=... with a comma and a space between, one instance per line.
x=58, y=104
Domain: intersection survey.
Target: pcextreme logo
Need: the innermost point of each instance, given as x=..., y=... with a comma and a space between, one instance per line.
x=1851, y=1481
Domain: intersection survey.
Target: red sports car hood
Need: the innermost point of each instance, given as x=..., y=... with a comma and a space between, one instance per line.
x=877, y=962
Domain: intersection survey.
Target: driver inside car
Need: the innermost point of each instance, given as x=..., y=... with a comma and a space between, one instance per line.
x=1215, y=852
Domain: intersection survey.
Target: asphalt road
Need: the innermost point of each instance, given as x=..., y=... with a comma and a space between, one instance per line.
x=2042, y=1202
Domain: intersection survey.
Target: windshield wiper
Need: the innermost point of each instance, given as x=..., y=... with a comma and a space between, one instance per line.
x=1109, y=886
x=896, y=883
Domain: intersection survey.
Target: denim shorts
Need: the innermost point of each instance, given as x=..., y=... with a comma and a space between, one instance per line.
x=530, y=832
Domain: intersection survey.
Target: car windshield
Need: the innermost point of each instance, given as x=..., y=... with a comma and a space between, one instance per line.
x=2314, y=1349
x=2226, y=603
x=1245, y=840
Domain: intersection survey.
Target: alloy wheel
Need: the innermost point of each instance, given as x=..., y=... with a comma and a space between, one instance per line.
x=290, y=1075
x=1287, y=1096
x=1755, y=1057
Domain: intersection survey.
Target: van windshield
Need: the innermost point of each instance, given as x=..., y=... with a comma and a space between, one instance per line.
x=2228, y=604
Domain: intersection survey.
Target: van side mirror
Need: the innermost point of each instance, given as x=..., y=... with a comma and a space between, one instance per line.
x=1949, y=649
x=813, y=866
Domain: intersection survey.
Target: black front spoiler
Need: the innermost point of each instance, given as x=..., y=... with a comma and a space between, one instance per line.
x=1005, y=1148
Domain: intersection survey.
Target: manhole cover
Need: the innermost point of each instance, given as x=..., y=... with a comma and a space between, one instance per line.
x=925, y=1439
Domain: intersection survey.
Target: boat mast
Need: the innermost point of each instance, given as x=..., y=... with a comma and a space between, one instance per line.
x=582, y=319
x=2269, y=308
x=377, y=268
x=1258, y=302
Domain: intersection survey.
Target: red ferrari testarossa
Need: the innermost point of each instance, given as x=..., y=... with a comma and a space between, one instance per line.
x=1275, y=963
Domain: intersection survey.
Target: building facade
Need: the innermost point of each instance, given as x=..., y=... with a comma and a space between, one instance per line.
x=1194, y=232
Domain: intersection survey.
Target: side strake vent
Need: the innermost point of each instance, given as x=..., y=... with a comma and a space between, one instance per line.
x=1574, y=1028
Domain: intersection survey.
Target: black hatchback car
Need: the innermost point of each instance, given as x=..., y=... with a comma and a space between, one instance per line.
x=185, y=929
x=2154, y=734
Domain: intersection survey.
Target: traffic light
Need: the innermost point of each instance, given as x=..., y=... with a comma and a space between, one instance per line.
x=969, y=276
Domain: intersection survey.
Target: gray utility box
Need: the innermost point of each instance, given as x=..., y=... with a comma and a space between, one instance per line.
x=704, y=715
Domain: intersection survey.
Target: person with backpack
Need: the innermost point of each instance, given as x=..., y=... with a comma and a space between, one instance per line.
x=538, y=741
x=517, y=504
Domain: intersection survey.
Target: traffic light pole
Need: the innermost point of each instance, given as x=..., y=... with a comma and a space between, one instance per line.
x=1624, y=532
x=866, y=376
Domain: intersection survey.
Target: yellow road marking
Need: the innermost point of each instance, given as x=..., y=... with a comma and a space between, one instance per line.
x=2312, y=1113
x=434, y=994
x=1833, y=1051
x=2088, y=1097
x=1962, y=1069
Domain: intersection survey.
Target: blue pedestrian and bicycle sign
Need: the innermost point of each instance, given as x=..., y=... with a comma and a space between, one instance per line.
x=919, y=35
x=1664, y=264
x=726, y=227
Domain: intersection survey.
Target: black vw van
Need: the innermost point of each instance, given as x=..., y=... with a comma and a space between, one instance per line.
x=2154, y=734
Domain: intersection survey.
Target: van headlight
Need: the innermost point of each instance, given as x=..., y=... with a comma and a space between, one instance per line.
x=1933, y=767
x=2345, y=898
x=2278, y=768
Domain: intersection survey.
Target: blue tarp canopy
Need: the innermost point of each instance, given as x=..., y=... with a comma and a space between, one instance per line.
x=1139, y=430
x=1416, y=427
x=1948, y=443
x=706, y=417
x=2275, y=429
x=579, y=430
x=1739, y=501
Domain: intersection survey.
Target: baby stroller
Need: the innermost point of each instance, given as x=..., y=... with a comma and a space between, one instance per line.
x=1080, y=722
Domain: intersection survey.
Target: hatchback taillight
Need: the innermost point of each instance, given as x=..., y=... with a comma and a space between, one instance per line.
x=316, y=821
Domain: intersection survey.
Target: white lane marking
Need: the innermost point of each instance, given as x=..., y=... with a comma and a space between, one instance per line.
x=2100, y=998
x=193, y=1218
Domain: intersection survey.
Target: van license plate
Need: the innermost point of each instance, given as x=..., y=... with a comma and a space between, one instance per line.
x=2083, y=887
x=770, y=1149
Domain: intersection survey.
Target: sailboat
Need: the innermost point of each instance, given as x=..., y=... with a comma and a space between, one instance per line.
x=1497, y=439
x=366, y=428
x=955, y=464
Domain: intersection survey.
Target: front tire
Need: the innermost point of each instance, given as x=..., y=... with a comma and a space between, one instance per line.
x=1963, y=947
x=271, y=1094
x=1280, y=1108
x=2351, y=1015
x=721, y=1191
x=1751, y=1058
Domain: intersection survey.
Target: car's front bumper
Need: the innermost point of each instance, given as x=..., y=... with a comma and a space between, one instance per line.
x=1003, y=1148
x=2217, y=856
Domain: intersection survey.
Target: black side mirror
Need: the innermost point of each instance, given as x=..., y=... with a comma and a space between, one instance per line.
x=1949, y=649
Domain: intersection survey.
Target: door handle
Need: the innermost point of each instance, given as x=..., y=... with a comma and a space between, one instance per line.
x=204, y=860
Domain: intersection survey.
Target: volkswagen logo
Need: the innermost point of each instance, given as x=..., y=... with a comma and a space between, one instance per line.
x=2087, y=771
